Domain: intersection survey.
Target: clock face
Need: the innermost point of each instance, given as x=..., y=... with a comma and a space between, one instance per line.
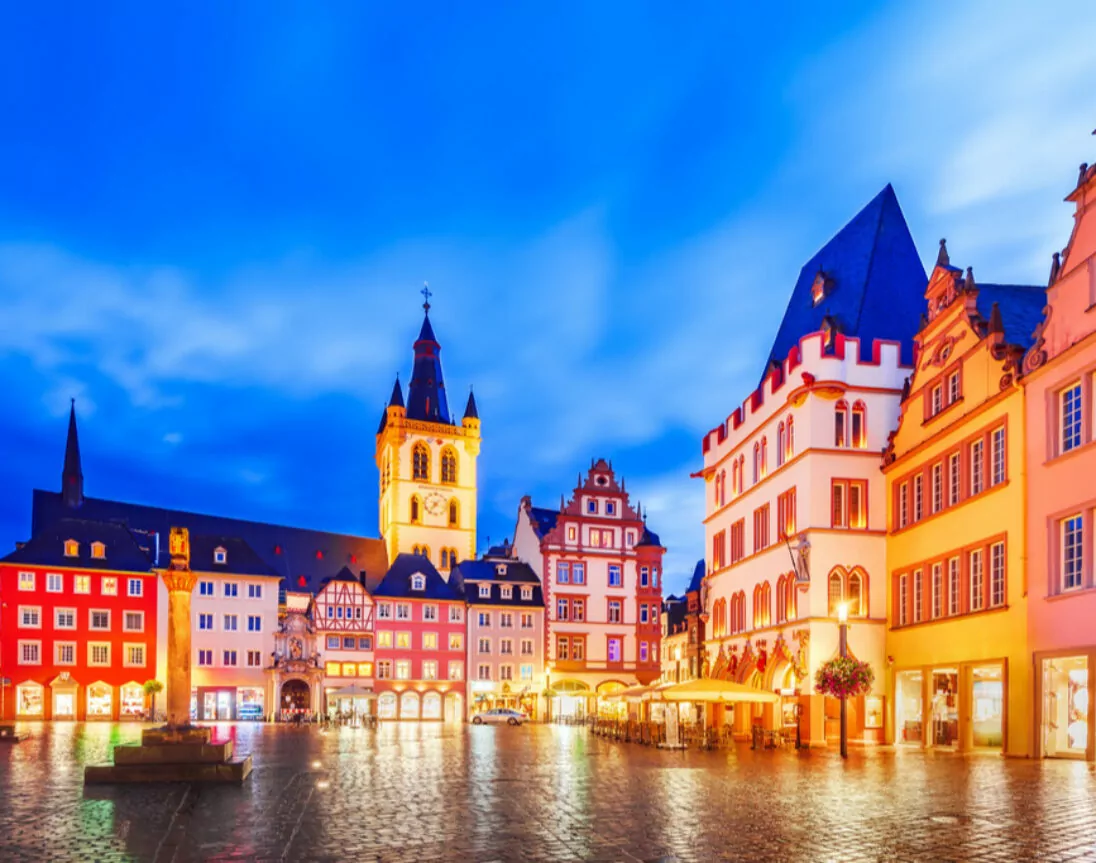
x=434, y=503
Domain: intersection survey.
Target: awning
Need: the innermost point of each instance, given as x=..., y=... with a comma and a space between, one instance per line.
x=631, y=693
x=352, y=691
x=716, y=691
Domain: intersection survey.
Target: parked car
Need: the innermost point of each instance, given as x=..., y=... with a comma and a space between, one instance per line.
x=499, y=716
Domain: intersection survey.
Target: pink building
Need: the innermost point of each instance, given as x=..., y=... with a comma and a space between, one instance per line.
x=1061, y=464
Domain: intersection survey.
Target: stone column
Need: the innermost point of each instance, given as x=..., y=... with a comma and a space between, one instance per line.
x=179, y=581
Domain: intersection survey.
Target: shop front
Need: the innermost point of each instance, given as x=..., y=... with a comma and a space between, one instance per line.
x=959, y=706
x=569, y=700
x=64, y=693
x=1064, y=715
x=100, y=701
x=131, y=702
x=29, y=700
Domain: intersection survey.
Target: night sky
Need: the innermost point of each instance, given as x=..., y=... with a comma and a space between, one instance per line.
x=215, y=221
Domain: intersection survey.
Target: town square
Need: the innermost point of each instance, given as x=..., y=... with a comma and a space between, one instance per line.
x=500, y=435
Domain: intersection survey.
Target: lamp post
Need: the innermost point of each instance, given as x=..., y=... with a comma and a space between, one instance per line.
x=843, y=629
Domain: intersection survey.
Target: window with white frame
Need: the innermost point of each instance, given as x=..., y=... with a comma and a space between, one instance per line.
x=99, y=619
x=26, y=581
x=526, y=593
x=254, y=623
x=418, y=581
x=507, y=591
x=527, y=672
x=578, y=573
x=483, y=672
x=903, y=504
x=232, y=590
x=64, y=618
x=997, y=575
x=54, y=582
x=254, y=591
x=506, y=672
x=954, y=478
x=937, y=487
x=977, y=466
x=953, y=388
x=333, y=642
x=109, y=585
x=1069, y=408
x=81, y=584
x=403, y=669
x=484, y=618
x=430, y=612
x=484, y=645
x=136, y=587
x=562, y=607
x=430, y=669
x=254, y=659
x=953, y=586
x=616, y=579
x=997, y=454
x=643, y=613
x=937, y=400
x=918, y=497
x=527, y=647
x=133, y=621
x=614, y=611
x=937, y=590
x=526, y=621
x=134, y=655
x=456, y=614
x=485, y=591
x=506, y=620
x=220, y=555
x=230, y=622
x=99, y=653
x=30, y=617
x=64, y=652
x=229, y=658
x=384, y=611
x=977, y=581
x=1072, y=545
x=903, y=600
x=205, y=621
x=205, y=588
x=30, y=653
x=403, y=611
x=506, y=646
x=205, y=658
x=917, y=597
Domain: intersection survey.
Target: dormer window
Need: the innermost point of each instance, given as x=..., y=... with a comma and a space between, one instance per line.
x=220, y=556
x=72, y=548
x=418, y=581
x=820, y=288
x=527, y=593
x=507, y=592
x=98, y=551
x=500, y=569
x=485, y=591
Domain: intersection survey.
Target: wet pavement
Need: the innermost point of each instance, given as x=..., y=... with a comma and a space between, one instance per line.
x=428, y=792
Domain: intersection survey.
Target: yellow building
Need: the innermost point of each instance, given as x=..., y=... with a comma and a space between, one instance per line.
x=958, y=665
x=427, y=465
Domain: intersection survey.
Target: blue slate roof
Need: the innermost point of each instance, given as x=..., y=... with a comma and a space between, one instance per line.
x=698, y=577
x=397, y=581
x=470, y=574
x=240, y=558
x=649, y=537
x=303, y=558
x=877, y=286
x=426, y=399
x=124, y=552
x=1021, y=309
x=543, y=519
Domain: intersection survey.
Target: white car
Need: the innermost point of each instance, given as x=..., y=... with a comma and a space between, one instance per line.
x=500, y=715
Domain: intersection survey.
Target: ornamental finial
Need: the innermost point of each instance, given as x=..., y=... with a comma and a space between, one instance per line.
x=427, y=294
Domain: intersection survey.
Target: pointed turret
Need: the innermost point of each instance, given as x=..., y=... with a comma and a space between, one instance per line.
x=397, y=395
x=426, y=399
x=470, y=412
x=942, y=259
x=72, y=475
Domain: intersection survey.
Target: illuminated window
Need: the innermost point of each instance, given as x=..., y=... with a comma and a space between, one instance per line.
x=99, y=653
x=903, y=600
x=134, y=656
x=350, y=669
x=456, y=670
x=572, y=534
x=836, y=592
x=977, y=581
x=98, y=551
x=780, y=445
x=953, y=586
x=403, y=669
x=109, y=586
x=456, y=641
x=448, y=466
x=854, y=594
x=384, y=639
x=429, y=641
x=420, y=462
x=841, y=424
x=82, y=584
x=785, y=514
x=403, y=640
x=72, y=548
x=365, y=669
x=849, y=504
x=65, y=652
x=430, y=669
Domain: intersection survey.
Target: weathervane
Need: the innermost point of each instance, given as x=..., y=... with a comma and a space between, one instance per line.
x=427, y=294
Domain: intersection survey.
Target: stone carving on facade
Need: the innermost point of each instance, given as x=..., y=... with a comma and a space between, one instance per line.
x=1036, y=355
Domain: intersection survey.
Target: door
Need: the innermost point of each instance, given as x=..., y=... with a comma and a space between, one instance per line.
x=64, y=705
x=224, y=705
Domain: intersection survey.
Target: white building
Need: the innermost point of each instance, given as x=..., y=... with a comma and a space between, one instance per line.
x=234, y=616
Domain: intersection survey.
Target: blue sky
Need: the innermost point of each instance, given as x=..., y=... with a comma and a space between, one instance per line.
x=214, y=223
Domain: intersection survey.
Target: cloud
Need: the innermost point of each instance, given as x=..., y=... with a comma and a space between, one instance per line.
x=173, y=438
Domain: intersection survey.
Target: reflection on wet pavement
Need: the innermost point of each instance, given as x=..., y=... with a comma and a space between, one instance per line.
x=433, y=792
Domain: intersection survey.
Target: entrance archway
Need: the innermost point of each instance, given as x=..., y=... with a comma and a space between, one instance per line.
x=454, y=707
x=296, y=696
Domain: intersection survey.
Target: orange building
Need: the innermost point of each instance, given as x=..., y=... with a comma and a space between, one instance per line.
x=958, y=671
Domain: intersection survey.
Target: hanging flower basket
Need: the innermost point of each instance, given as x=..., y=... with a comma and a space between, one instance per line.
x=844, y=678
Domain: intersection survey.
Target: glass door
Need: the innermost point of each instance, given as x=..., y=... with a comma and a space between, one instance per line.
x=209, y=705
x=988, y=698
x=945, y=706
x=908, y=708
x=224, y=704
x=1065, y=706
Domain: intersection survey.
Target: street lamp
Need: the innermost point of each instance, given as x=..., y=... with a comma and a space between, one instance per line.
x=843, y=621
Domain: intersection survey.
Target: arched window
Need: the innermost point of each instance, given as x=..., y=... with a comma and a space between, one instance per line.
x=454, y=513
x=857, y=595
x=859, y=428
x=841, y=423
x=836, y=591
x=764, y=456
x=736, y=480
x=742, y=611
x=453, y=557
x=423, y=550
x=780, y=444
x=445, y=558
x=789, y=439
x=790, y=601
x=781, y=602
x=420, y=462
x=416, y=509
x=766, y=604
x=758, y=619
x=757, y=462
x=449, y=465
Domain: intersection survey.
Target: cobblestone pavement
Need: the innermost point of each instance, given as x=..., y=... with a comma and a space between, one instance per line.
x=422, y=793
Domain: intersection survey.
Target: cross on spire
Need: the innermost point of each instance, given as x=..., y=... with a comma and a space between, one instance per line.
x=427, y=294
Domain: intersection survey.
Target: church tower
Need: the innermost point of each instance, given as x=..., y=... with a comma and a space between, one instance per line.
x=72, y=474
x=427, y=464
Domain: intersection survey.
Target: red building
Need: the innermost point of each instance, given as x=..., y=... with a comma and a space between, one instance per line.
x=78, y=623
x=420, y=643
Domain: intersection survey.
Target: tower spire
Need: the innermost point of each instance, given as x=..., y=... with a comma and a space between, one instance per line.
x=72, y=475
x=426, y=398
x=470, y=411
